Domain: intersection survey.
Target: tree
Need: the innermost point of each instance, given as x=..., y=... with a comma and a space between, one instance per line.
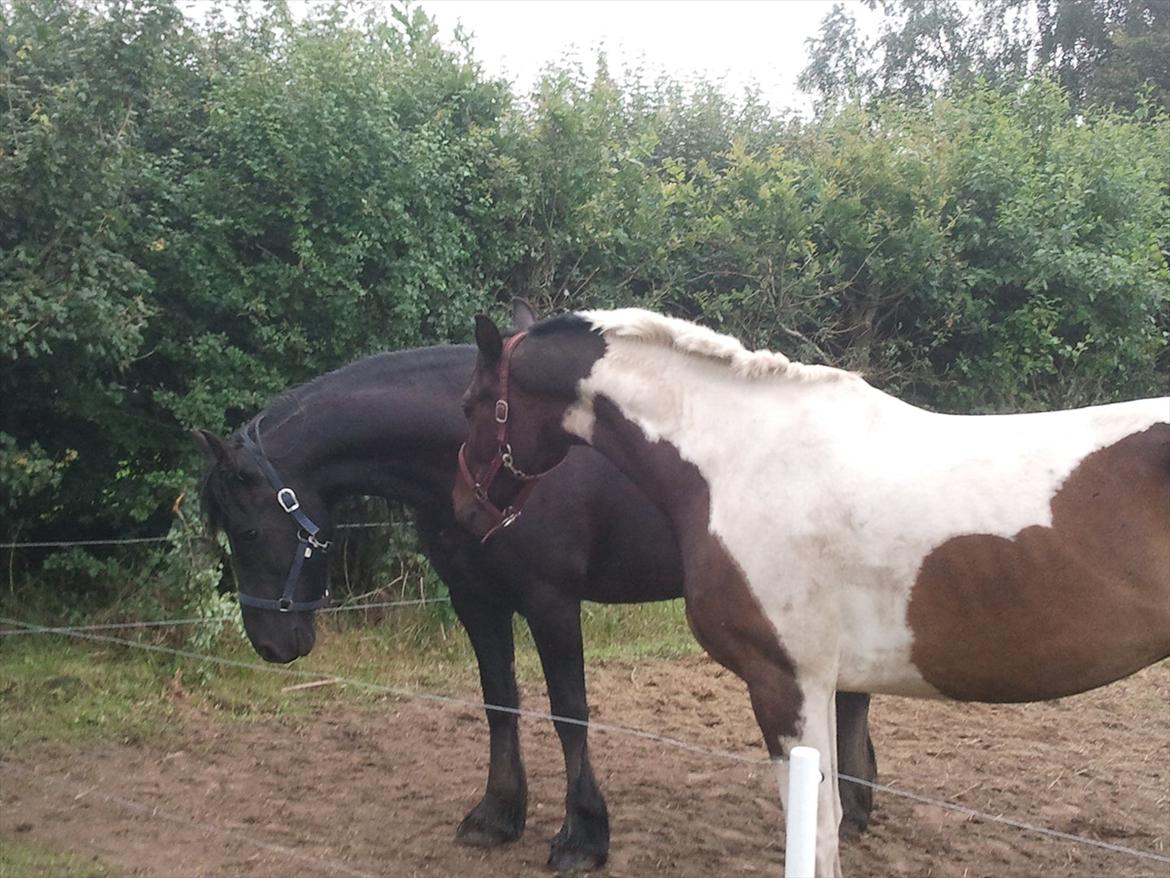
x=1106, y=52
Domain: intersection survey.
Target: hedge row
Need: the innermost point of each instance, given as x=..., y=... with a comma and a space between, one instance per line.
x=194, y=217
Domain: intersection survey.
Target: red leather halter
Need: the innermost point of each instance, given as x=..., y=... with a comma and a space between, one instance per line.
x=503, y=457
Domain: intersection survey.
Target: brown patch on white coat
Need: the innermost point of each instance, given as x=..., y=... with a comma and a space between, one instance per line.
x=1055, y=610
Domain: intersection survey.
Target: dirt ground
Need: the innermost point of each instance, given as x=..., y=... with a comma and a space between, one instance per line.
x=360, y=790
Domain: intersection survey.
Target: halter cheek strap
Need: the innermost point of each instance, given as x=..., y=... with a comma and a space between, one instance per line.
x=307, y=542
x=503, y=458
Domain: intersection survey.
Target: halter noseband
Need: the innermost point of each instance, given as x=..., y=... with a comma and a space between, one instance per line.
x=503, y=458
x=307, y=531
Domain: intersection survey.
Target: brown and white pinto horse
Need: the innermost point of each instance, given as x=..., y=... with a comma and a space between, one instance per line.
x=835, y=537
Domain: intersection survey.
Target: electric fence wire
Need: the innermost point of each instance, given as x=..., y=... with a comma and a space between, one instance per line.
x=207, y=620
x=162, y=538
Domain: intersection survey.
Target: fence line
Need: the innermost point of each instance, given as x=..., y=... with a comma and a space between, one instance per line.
x=52, y=544
x=127, y=541
x=612, y=729
x=207, y=620
x=409, y=693
x=155, y=811
x=1007, y=821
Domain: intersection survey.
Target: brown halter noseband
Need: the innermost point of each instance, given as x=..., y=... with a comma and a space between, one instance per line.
x=503, y=457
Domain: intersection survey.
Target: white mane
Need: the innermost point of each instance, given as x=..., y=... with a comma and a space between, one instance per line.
x=692, y=338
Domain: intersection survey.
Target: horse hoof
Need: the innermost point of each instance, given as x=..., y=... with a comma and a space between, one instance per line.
x=482, y=838
x=481, y=831
x=575, y=860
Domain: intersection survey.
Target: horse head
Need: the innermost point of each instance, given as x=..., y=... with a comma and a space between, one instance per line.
x=515, y=407
x=278, y=537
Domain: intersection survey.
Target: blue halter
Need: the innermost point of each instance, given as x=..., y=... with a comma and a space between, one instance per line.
x=307, y=531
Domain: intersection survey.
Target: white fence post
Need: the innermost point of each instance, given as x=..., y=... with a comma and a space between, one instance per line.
x=800, y=829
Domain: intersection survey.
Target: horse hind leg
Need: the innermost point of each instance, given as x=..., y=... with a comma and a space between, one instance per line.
x=855, y=759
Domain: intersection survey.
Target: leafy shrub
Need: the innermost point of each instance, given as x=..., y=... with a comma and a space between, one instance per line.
x=193, y=218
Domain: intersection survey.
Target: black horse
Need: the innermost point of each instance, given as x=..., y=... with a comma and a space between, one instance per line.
x=391, y=426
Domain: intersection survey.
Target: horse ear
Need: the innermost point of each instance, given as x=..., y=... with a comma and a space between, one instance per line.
x=214, y=448
x=487, y=339
x=522, y=314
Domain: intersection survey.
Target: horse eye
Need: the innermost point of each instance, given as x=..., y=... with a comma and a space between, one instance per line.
x=250, y=534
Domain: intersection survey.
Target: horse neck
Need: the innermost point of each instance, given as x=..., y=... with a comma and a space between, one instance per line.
x=392, y=431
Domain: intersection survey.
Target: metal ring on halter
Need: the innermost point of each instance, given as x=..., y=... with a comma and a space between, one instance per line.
x=287, y=498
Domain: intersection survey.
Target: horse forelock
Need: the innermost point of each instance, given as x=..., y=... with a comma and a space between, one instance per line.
x=217, y=499
x=691, y=338
x=214, y=498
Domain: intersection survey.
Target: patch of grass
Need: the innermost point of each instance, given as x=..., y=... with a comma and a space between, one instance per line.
x=637, y=631
x=53, y=689
x=20, y=859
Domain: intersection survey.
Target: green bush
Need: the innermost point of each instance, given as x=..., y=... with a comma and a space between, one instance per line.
x=194, y=217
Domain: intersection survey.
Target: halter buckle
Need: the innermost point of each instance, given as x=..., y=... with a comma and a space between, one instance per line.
x=287, y=498
x=285, y=605
x=501, y=411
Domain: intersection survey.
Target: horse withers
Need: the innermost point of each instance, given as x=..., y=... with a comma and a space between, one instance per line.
x=835, y=537
x=390, y=426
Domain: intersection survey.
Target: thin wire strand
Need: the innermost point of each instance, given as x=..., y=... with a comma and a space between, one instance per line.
x=155, y=811
x=128, y=541
x=612, y=729
x=55, y=544
x=1018, y=824
x=404, y=693
x=207, y=620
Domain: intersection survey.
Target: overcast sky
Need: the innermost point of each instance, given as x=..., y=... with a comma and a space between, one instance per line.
x=740, y=42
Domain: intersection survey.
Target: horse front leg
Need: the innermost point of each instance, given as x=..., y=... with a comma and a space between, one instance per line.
x=791, y=709
x=501, y=813
x=855, y=758
x=583, y=841
x=790, y=714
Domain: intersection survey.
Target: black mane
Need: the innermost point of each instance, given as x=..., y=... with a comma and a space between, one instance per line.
x=371, y=370
x=571, y=321
x=216, y=494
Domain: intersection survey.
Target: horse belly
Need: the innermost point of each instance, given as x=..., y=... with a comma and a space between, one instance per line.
x=1058, y=609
